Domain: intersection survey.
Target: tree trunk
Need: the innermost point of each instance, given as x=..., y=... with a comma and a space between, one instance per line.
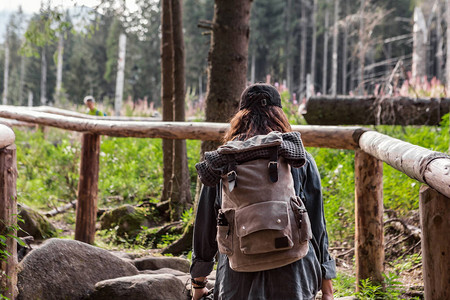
x=120, y=74
x=167, y=93
x=347, y=110
x=252, y=70
x=43, y=77
x=303, y=50
x=59, y=67
x=88, y=188
x=335, y=49
x=447, y=66
x=362, y=52
x=344, y=51
x=289, y=66
x=8, y=218
x=313, y=47
x=227, y=67
x=325, y=50
x=21, y=79
x=440, y=43
x=180, y=195
x=369, y=234
x=6, y=70
x=420, y=35
x=435, y=221
x=30, y=98
x=183, y=244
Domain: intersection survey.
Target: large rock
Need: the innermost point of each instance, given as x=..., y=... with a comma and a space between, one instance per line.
x=155, y=263
x=128, y=219
x=34, y=224
x=139, y=287
x=67, y=269
x=164, y=271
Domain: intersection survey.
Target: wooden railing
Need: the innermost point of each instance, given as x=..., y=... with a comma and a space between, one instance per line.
x=371, y=150
x=8, y=213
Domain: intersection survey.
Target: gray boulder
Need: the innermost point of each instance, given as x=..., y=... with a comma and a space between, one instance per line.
x=67, y=269
x=34, y=224
x=164, y=271
x=155, y=263
x=140, y=287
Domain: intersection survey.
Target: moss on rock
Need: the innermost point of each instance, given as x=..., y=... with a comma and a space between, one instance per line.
x=34, y=224
x=128, y=220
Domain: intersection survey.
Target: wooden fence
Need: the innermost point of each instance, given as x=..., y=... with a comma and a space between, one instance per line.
x=371, y=150
x=8, y=213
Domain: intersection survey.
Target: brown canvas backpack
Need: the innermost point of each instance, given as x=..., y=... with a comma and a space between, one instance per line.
x=262, y=224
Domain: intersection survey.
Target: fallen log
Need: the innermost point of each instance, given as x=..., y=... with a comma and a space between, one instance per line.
x=61, y=209
x=352, y=110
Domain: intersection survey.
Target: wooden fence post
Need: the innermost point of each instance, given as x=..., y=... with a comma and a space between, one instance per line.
x=88, y=188
x=435, y=223
x=8, y=220
x=369, y=235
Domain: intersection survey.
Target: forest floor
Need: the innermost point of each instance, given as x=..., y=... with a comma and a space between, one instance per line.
x=403, y=260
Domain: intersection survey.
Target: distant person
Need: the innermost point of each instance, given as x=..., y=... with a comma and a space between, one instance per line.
x=90, y=103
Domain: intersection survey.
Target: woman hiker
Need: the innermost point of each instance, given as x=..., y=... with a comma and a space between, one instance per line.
x=261, y=114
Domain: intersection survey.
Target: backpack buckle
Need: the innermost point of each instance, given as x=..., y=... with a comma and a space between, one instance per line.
x=272, y=164
x=273, y=171
x=231, y=176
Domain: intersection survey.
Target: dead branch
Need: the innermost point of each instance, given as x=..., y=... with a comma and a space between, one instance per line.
x=61, y=209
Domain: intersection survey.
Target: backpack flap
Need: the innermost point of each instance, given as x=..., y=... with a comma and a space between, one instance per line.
x=264, y=227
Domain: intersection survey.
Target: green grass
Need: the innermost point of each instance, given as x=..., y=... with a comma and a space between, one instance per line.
x=131, y=171
x=130, y=168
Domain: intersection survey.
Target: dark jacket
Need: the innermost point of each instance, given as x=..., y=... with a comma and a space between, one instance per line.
x=299, y=280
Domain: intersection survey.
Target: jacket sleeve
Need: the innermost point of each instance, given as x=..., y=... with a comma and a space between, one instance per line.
x=204, y=243
x=309, y=179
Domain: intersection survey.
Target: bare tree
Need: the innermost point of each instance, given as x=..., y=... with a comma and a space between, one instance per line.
x=314, y=44
x=447, y=70
x=289, y=38
x=334, y=71
x=6, y=70
x=43, y=76
x=325, y=50
x=420, y=40
x=21, y=79
x=167, y=92
x=303, y=50
x=59, y=67
x=370, y=16
x=180, y=195
x=440, y=44
x=344, y=51
x=120, y=73
x=362, y=49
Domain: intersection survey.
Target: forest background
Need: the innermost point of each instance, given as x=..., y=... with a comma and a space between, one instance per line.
x=281, y=51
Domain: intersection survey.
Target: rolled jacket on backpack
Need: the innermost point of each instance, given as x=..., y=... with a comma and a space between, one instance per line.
x=215, y=165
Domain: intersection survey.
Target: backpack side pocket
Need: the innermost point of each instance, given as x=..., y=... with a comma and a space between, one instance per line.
x=225, y=220
x=301, y=218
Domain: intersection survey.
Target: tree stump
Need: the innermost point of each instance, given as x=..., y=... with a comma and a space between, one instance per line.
x=435, y=223
x=88, y=188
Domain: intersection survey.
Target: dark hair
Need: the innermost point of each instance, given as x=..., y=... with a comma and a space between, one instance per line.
x=257, y=120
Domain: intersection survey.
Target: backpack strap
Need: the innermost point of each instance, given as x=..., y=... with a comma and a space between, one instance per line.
x=273, y=164
x=232, y=175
